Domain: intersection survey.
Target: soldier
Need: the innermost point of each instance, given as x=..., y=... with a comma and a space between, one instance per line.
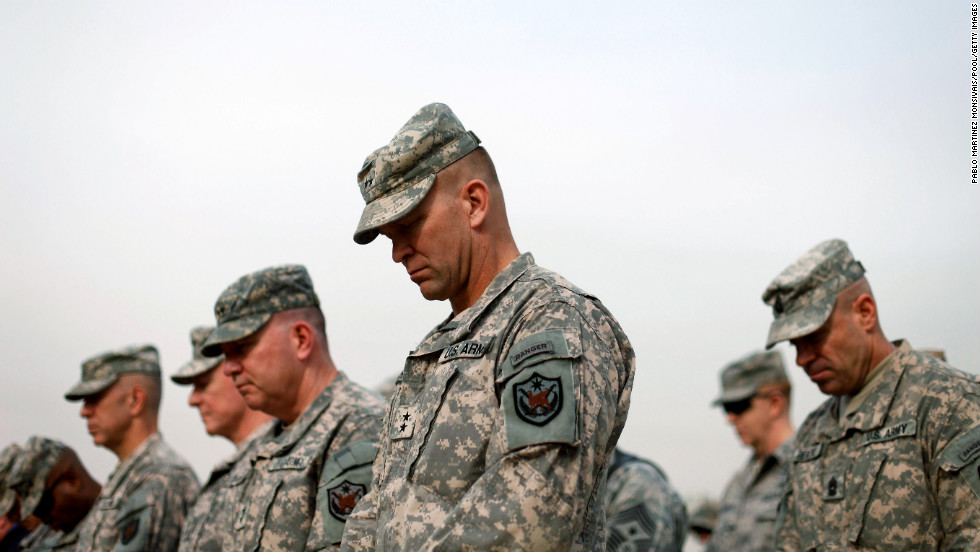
x=12, y=532
x=755, y=394
x=505, y=417
x=643, y=512
x=56, y=488
x=142, y=506
x=224, y=413
x=313, y=465
x=890, y=461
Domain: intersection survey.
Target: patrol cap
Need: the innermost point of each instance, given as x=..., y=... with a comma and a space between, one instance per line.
x=246, y=305
x=704, y=517
x=742, y=379
x=30, y=472
x=8, y=456
x=101, y=371
x=199, y=364
x=396, y=177
x=803, y=295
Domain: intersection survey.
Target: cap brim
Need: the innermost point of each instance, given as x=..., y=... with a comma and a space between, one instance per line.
x=7, y=499
x=84, y=389
x=190, y=370
x=734, y=395
x=390, y=208
x=800, y=323
x=233, y=330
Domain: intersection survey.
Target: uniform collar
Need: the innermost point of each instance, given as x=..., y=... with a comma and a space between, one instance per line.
x=455, y=328
x=291, y=434
x=121, y=472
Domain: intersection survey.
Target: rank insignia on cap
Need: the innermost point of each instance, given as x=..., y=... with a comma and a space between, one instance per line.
x=344, y=497
x=538, y=399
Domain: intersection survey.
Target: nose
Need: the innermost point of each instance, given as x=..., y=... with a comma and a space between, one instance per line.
x=400, y=249
x=804, y=354
x=194, y=399
x=86, y=410
x=731, y=417
x=230, y=367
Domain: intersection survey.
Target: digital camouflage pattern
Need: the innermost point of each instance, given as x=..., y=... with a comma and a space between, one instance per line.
x=294, y=498
x=143, y=505
x=396, y=177
x=643, y=511
x=803, y=296
x=211, y=521
x=898, y=473
x=30, y=471
x=101, y=371
x=199, y=364
x=46, y=539
x=8, y=456
x=743, y=378
x=246, y=305
x=502, y=424
x=747, y=511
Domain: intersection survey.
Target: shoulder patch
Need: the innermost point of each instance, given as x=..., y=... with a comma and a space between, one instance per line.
x=128, y=532
x=540, y=347
x=901, y=429
x=962, y=455
x=543, y=345
x=538, y=399
x=631, y=529
x=344, y=497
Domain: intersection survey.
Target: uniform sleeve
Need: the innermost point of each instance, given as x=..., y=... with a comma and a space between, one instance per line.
x=345, y=480
x=787, y=536
x=957, y=478
x=559, y=389
x=153, y=514
x=361, y=528
x=643, y=512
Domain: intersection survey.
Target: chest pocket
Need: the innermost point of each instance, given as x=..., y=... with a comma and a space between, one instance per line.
x=539, y=398
x=254, y=516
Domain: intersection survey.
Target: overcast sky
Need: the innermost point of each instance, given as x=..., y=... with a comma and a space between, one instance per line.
x=671, y=158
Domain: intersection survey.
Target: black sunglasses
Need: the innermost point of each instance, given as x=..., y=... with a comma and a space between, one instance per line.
x=737, y=407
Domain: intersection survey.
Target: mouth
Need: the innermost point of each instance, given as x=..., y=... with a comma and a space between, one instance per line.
x=416, y=274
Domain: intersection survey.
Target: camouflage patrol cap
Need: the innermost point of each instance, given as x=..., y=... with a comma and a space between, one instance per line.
x=246, y=305
x=29, y=474
x=8, y=457
x=99, y=372
x=199, y=364
x=396, y=177
x=803, y=296
x=704, y=517
x=743, y=378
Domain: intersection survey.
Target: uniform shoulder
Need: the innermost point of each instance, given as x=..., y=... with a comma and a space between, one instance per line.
x=812, y=420
x=929, y=372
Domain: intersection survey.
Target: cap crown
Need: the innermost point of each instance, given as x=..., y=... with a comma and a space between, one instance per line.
x=803, y=295
x=743, y=378
x=31, y=470
x=8, y=457
x=266, y=291
x=138, y=359
x=396, y=177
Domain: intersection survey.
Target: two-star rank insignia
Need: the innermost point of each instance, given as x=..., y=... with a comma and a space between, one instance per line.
x=344, y=497
x=403, y=423
x=538, y=399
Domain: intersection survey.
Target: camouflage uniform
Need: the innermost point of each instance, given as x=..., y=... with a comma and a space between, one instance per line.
x=307, y=476
x=502, y=424
x=46, y=539
x=211, y=520
x=894, y=467
x=644, y=513
x=143, y=504
x=899, y=473
x=747, y=512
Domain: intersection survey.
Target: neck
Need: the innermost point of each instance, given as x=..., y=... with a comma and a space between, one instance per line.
x=138, y=433
x=781, y=430
x=315, y=380
x=250, y=421
x=489, y=260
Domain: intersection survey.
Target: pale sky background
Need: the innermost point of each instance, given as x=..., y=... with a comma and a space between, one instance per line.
x=669, y=158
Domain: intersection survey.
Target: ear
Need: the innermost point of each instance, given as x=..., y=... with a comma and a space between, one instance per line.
x=475, y=195
x=302, y=338
x=866, y=312
x=137, y=400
